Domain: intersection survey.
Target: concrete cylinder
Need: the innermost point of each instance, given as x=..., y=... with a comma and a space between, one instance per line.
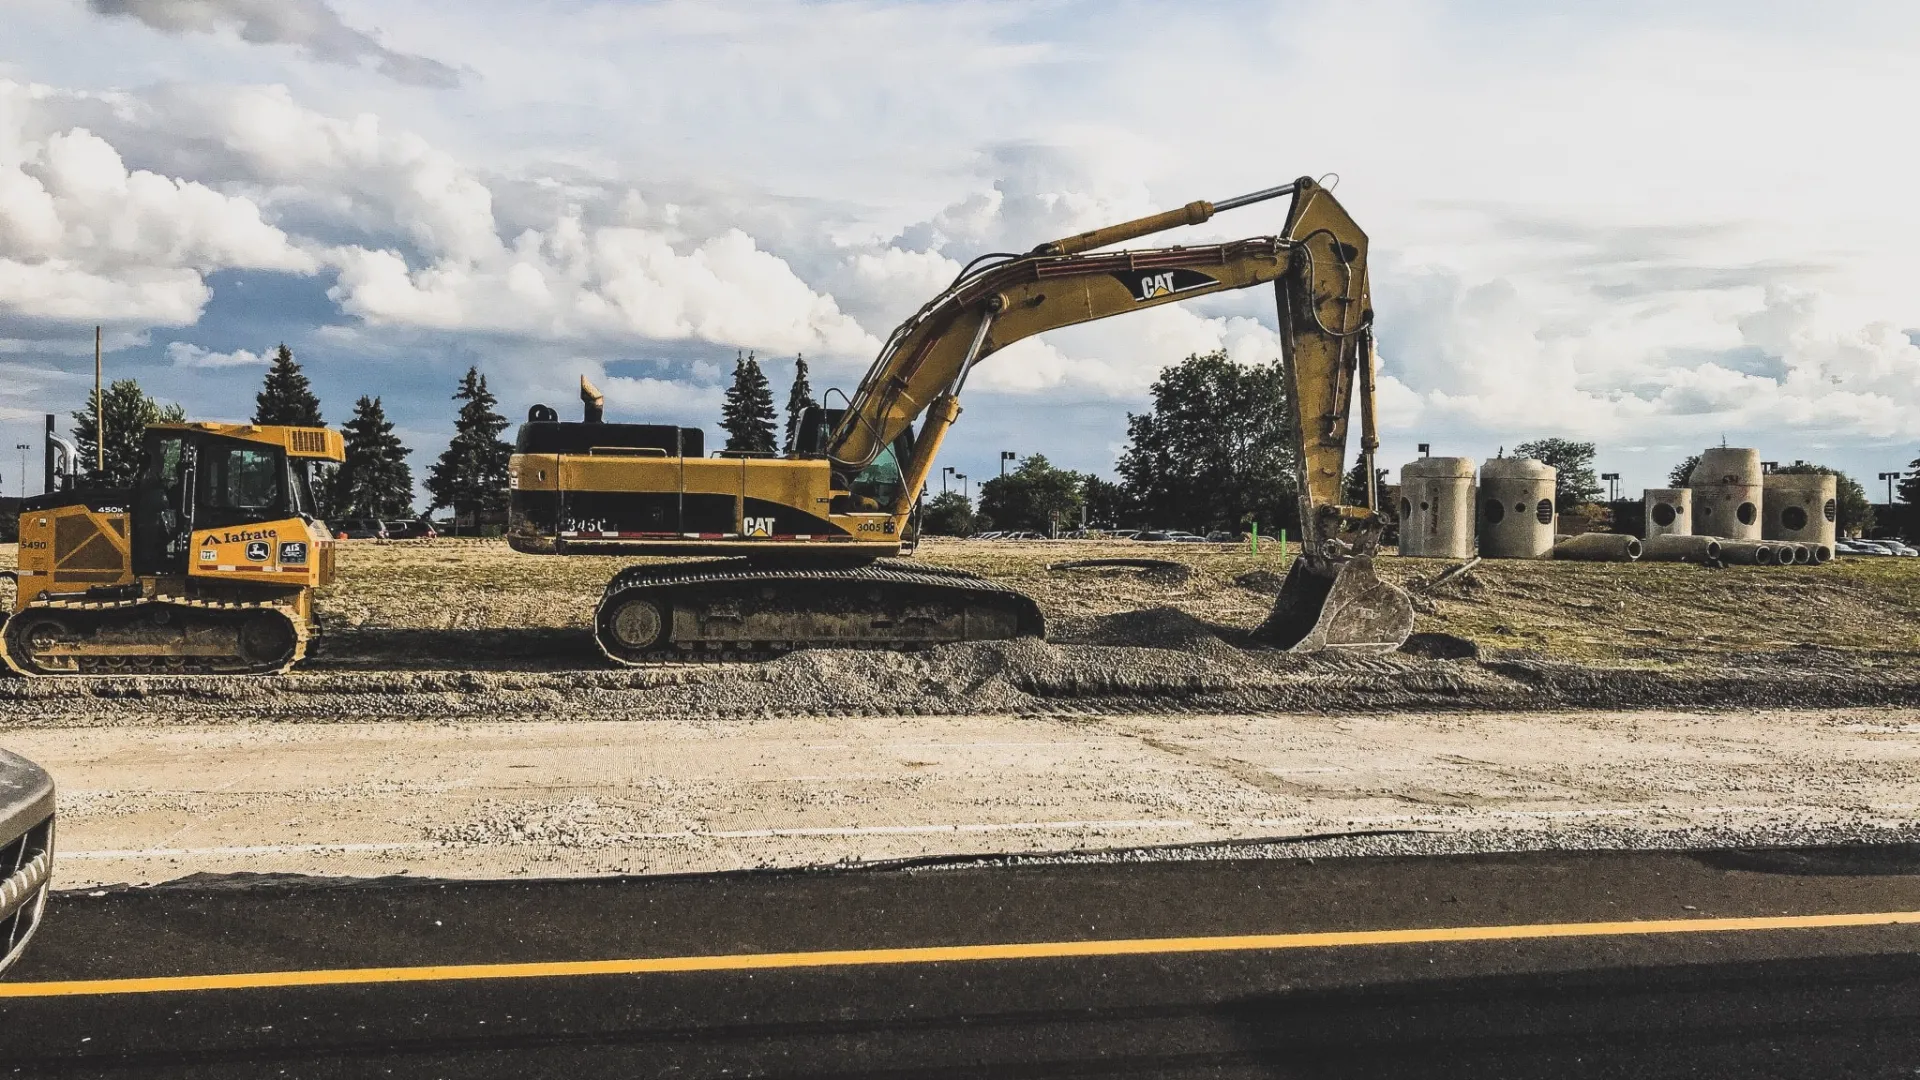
x=1516, y=514
x=1727, y=489
x=1694, y=549
x=1598, y=547
x=1750, y=553
x=1669, y=512
x=1801, y=508
x=1436, y=508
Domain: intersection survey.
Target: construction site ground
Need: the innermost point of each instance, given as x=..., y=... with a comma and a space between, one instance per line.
x=455, y=719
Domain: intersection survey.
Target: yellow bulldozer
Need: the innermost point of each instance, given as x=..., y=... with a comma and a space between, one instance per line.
x=206, y=565
x=807, y=540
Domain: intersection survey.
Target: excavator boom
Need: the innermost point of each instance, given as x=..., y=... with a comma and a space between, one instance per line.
x=845, y=493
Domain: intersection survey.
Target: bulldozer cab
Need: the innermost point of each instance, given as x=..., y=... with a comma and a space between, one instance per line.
x=200, y=480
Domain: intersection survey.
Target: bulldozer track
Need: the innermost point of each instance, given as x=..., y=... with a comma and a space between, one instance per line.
x=17, y=653
x=927, y=582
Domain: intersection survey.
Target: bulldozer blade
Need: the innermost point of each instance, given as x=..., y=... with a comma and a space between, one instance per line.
x=1338, y=606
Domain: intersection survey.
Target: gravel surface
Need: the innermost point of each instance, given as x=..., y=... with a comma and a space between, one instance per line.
x=485, y=798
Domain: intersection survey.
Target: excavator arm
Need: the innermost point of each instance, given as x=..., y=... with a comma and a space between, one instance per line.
x=1318, y=267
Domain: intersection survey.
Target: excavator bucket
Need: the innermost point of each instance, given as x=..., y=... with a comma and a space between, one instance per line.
x=1343, y=605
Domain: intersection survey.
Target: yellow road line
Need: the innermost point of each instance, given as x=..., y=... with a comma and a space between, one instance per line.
x=946, y=954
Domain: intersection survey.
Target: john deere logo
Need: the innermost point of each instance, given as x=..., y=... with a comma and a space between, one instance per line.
x=1153, y=284
x=257, y=551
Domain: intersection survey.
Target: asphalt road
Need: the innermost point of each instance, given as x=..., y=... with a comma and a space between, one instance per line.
x=1744, y=1001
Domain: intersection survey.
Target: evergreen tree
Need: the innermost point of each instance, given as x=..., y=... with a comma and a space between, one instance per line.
x=287, y=397
x=128, y=410
x=1353, y=486
x=1909, y=486
x=471, y=475
x=747, y=416
x=799, y=398
x=375, y=480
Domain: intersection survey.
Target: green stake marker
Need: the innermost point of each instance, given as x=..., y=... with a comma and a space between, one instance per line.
x=1256, y=538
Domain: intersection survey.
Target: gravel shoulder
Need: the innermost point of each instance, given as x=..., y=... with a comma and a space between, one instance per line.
x=482, y=798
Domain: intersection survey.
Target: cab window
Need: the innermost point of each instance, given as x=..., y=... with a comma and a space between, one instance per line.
x=242, y=482
x=879, y=482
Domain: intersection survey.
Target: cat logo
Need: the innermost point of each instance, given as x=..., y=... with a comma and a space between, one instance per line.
x=757, y=526
x=1156, y=284
x=257, y=551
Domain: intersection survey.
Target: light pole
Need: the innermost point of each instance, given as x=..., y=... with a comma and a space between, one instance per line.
x=944, y=473
x=1005, y=456
x=23, y=448
x=1426, y=449
x=1613, y=485
x=1889, y=477
x=965, y=491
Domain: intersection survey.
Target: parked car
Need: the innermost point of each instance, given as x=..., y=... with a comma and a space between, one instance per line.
x=1222, y=536
x=26, y=851
x=410, y=529
x=359, y=529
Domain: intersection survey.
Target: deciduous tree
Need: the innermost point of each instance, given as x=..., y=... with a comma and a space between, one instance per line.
x=1214, y=453
x=1034, y=496
x=948, y=514
x=128, y=411
x=1575, y=482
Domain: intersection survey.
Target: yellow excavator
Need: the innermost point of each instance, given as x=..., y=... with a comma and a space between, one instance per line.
x=808, y=540
x=206, y=565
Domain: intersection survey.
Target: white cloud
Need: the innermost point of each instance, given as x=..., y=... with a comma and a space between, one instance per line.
x=309, y=25
x=85, y=239
x=183, y=354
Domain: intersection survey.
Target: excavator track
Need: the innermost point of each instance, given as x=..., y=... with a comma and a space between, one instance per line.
x=737, y=609
x=155, y=635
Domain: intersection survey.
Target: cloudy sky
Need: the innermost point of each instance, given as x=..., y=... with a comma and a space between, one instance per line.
x=1650, y=225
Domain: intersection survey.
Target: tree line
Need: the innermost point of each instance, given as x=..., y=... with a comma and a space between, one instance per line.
x=1213, y=453
x=375, y=480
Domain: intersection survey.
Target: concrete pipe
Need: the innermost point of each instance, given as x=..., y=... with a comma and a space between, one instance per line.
x=1749, y=553
x=1800, y=508
x=1669, y=511
x=1436, y=508
x=1516, y=508
x=1598, y=547
x=1694, y=549
x=1727, y=493
x=1822, y=554
x=1802, y=554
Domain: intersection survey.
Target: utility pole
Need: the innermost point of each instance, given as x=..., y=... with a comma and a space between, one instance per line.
x=99, y=412
x=23, y=448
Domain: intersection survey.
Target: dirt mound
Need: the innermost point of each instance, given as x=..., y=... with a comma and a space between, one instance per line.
x=1264, y=582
